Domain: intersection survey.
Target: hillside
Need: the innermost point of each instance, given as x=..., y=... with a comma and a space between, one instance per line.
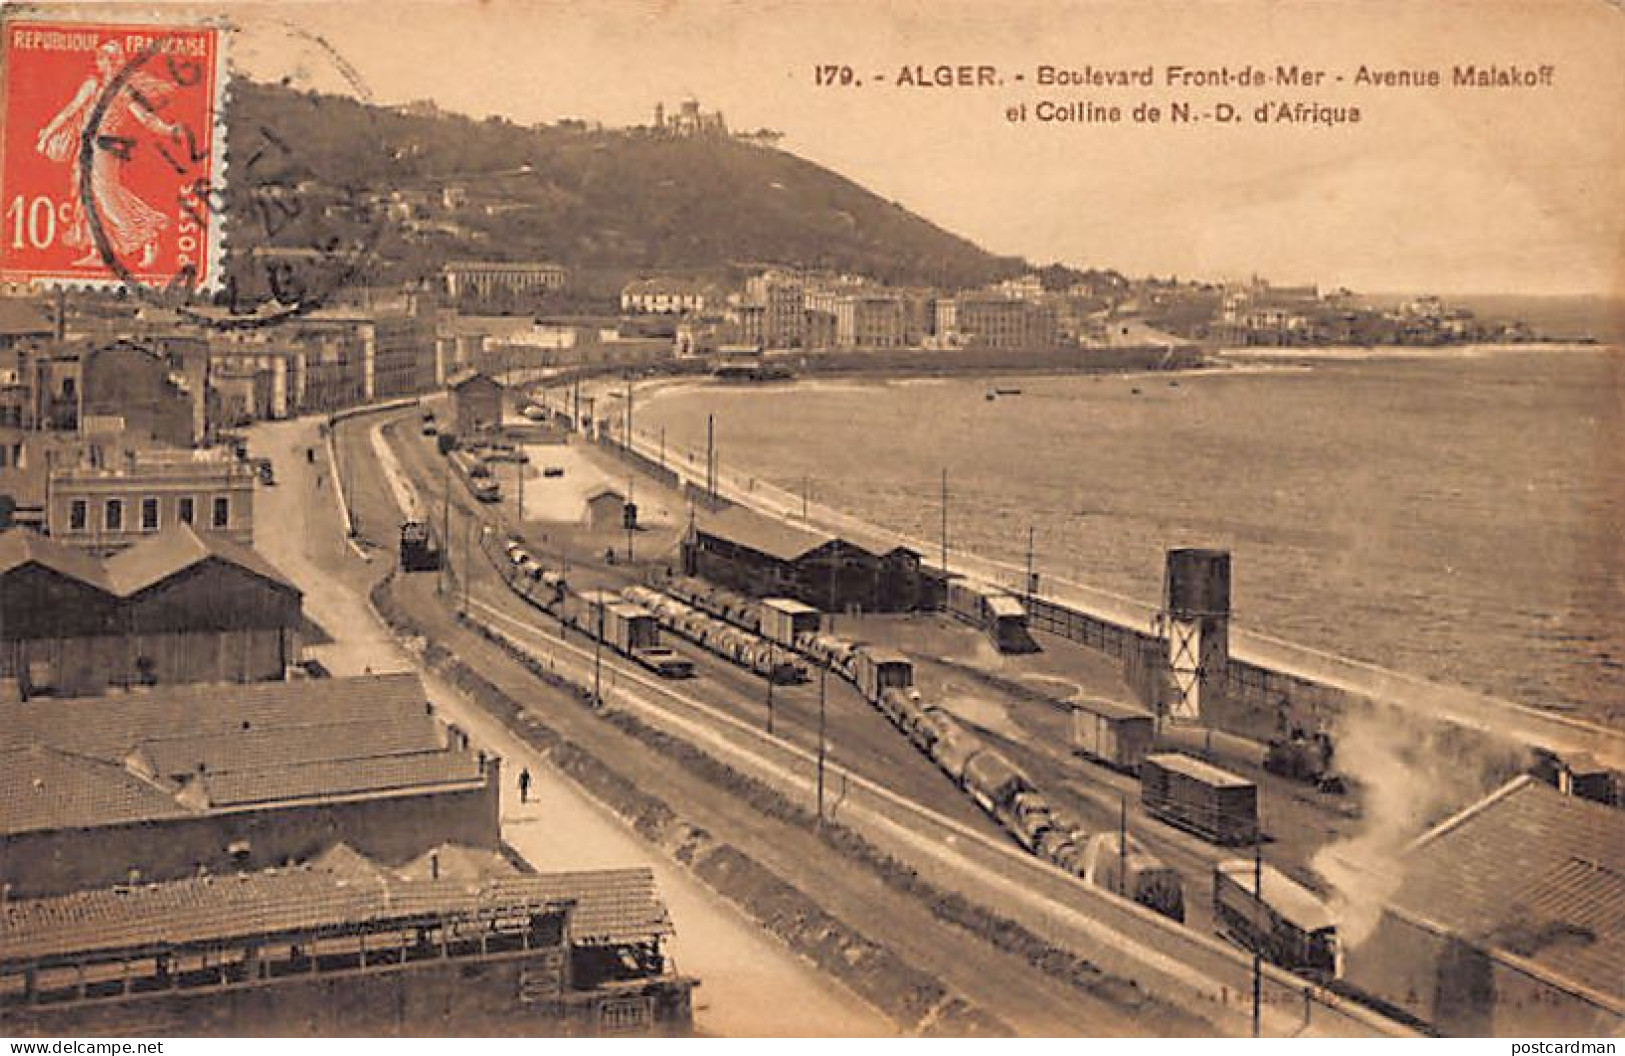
x=610, y=202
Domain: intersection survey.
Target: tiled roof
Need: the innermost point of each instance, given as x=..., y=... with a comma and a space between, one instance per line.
x=278, y=783
x=177, y=549
x=342, y=738
x=611, y=906
x=117, y=759
x=108, y=727
x=43, y=789
x=22, y=546
x=1531, y=872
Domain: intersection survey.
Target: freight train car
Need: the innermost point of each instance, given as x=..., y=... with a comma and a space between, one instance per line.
x=877, y=670
x=1112, y=733
x=786, y=621
x=1137, y=874
x=1261, y=909
x=1196, y=796
x=998, y=613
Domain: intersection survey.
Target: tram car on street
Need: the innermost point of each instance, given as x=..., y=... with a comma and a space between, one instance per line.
x=1261, y=909
x=418, y=550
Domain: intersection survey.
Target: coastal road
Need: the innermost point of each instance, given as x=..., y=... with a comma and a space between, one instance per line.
x=751, y=986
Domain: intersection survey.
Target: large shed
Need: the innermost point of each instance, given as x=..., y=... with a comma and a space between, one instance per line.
x=762, y=556
x=1506, y=919
x=182, y=606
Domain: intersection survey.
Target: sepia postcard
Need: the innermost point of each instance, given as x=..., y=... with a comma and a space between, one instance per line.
x=813, y=518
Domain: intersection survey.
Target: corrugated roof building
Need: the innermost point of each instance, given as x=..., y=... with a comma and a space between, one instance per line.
x=164, y=783
x=1509, y=920
x=767, y=557
x=179, y=607
x=347, y=946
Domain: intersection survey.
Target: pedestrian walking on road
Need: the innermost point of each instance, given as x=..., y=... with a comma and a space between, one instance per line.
x=524, y=785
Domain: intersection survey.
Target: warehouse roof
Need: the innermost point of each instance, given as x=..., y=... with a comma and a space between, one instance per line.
x=108, y=727
x=23, y=546
x=611, y=907
x=43, y=788
x=177, y=549
x=153, y=755
x=766, y=535
x=1533, y=873
x=143, y=565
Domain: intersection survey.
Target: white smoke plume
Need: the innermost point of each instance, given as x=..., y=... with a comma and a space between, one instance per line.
x=1411, y=773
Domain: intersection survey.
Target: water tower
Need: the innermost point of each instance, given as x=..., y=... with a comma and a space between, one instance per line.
x=1195, y=618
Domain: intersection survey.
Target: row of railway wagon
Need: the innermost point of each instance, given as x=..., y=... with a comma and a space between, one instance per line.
x=886, y=680
x=775, y=637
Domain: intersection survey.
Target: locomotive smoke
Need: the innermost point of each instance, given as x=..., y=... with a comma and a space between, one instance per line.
x=1412, y=773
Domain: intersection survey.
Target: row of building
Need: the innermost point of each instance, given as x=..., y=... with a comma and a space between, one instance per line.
x=198, y=838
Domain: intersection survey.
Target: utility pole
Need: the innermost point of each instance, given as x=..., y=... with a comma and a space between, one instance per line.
x=445, y=525
x=597, y=653
x=1258, y=966
x=519, y=472
x=628, y=513
x=1028, y=590
x=626, y=441
x=945, y=520
x=806, y=486
x=1122, y=846
x=575, y=417
x=662, y=447
x=468, y=564
x=770, y=691
x=711, y=460
x=823, y=671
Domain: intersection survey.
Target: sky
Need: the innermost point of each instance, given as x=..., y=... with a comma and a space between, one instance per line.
x=1445, y=189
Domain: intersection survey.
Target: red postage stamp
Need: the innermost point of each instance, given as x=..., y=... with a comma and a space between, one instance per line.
x=113, y=154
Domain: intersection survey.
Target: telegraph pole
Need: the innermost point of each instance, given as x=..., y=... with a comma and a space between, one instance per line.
x=770, y=691
x=1258, y=897
x=468, y=564
x=1122, y=846
x=823, y=671
x=626, y=441
x=597, y=651
x=1029, y=587
x=711, y=460
x=662, y=447
x=445, y=525
x=806, y=486
x=945, y=520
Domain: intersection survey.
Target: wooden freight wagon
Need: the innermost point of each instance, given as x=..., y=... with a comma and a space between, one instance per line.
x=1215, y=804
x=1115, y=734
x=877, y=670
x=785, y=620
x=1261, y=909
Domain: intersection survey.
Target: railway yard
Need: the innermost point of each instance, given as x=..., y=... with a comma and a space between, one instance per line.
x=1016, y=804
